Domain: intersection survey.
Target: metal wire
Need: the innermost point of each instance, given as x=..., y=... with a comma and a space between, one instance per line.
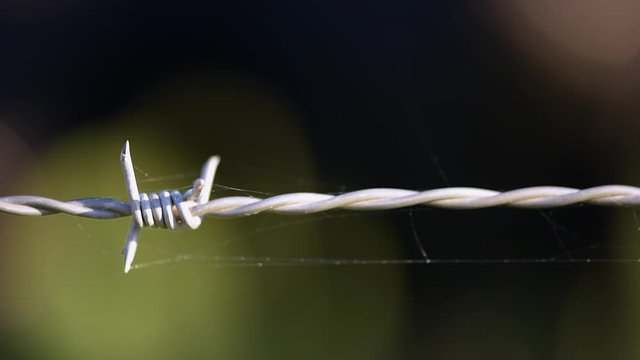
x=448, y=198
x=540, y=197
x=172, y=209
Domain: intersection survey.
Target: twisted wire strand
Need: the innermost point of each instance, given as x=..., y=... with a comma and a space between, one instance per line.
x=539, y=197
x=96, y=208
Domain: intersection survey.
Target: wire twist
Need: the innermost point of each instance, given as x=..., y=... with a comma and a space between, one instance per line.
x=165, y=210
x=173, y=209
x=448, y=198
x=461, y=198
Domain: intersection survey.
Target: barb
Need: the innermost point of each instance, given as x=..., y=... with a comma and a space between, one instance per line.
x=172, y=209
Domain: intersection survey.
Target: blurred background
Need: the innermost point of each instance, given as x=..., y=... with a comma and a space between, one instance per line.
x=328, y=97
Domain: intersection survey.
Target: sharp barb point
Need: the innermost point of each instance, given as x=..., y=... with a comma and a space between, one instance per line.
x=130, y=246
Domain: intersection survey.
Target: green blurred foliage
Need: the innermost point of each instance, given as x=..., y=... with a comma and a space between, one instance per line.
x=67, y=298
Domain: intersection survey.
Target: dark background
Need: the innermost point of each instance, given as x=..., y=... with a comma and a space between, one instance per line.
x=411, y=95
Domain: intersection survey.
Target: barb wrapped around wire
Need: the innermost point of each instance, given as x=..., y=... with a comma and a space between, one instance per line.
x=168, y=209
x=172, y=209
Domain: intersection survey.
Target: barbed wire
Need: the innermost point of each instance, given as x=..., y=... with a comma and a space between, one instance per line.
x=173, y=209
x=461, y=198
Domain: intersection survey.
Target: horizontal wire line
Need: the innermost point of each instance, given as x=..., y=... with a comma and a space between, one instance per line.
x=539, y=197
